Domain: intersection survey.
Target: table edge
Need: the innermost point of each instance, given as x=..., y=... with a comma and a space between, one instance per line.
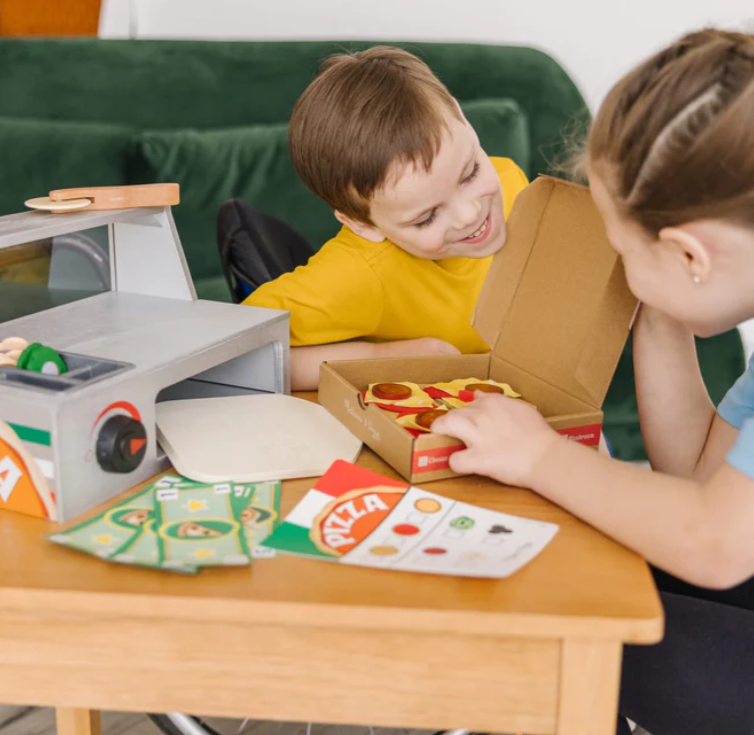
x=213, y=610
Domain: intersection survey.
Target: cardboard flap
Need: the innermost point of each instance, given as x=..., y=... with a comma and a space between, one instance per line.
x=555, y=302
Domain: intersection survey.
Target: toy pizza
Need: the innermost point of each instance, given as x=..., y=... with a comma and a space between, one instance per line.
x=421, y=421
x=347, y=520
x=398, y=396
x=465, y=388
x=417, y=407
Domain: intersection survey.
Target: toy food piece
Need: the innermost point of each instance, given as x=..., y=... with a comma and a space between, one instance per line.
x=41, y=359
x=421, y=421
x=10, y=350
x=452, y=402
x=391, y=391
x=457, y=388
x=485, y=388
x=46, y=204
x=398, y=395
x=427, y=418
x=13, y=344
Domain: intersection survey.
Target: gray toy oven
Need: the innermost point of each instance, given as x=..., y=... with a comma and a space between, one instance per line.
x=132, y=333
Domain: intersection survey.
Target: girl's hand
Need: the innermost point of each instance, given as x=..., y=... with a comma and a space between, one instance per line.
x=505, y=439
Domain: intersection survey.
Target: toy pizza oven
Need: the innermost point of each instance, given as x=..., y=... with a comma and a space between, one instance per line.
x=111, y=293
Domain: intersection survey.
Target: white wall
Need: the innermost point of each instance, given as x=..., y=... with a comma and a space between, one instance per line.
x=596, y=40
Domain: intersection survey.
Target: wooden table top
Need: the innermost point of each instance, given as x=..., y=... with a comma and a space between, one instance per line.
x=582, y=585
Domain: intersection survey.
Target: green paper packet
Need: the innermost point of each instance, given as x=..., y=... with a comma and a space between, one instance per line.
x=106, y=534
x=199, y=525
x=260, y=518
x=143, y=551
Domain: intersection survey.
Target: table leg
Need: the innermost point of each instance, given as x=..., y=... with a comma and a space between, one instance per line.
x=78, y=721
x=589, y=687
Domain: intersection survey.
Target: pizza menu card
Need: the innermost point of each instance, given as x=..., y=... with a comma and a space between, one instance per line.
x=354, y=516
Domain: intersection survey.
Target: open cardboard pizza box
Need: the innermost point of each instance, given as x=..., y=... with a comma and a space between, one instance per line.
x=556, y=311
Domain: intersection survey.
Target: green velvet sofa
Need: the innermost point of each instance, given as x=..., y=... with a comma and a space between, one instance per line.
x=213, y=117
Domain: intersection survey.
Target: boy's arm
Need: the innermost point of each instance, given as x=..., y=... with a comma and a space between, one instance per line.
x=683, y=434
x=305, y=361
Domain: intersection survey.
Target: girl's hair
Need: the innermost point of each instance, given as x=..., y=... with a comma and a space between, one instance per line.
x=674, y=140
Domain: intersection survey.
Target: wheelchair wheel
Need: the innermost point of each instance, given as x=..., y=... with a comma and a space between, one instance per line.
x=175, y=723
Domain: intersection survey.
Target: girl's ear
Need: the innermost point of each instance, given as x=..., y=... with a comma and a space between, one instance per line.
x=690, y=249
x=368, y=232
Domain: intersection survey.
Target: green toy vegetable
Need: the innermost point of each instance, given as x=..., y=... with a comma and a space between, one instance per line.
x=41, y=359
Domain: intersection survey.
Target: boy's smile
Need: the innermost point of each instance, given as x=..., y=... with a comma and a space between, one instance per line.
x=453, y=210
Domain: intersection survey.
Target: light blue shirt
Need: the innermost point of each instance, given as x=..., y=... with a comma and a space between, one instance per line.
x=737, y=408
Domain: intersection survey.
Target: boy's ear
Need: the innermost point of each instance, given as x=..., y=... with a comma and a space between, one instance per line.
x=691, y=249
x=368, y=232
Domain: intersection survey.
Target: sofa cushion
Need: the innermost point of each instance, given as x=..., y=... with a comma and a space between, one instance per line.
x=253, y=163
x=39, y=155
x=721, y=359
x=502, y=128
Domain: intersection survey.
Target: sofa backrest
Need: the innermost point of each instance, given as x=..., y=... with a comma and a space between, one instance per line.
x=208, y=84
x=102, y=109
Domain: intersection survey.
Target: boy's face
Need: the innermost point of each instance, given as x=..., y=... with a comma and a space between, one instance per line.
x=453, y=210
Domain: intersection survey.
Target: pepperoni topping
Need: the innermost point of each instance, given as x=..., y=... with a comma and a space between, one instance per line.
x=427, y=418
x=391, y=391
x=484, y=388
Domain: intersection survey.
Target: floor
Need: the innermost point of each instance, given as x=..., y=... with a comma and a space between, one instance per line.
x=41, y=721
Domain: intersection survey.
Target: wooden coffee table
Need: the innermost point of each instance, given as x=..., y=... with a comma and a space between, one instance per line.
x=293, y=639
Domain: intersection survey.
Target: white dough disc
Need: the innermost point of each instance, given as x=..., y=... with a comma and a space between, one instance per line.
x=252, y=438
x=46, y=204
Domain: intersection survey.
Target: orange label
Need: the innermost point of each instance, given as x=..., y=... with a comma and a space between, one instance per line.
x=347, y=521
x=17, y=489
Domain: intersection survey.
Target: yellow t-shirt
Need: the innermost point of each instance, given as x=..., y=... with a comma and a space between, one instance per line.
x=356, y=289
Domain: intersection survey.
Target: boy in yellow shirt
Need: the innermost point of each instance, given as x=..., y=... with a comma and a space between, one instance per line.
x=382, y=141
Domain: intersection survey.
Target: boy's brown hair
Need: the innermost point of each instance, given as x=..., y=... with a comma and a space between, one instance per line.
x=363, y=113
x=674, y=140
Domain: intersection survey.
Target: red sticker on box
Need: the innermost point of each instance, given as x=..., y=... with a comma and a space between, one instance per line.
x=432, y=460
x=588, y=435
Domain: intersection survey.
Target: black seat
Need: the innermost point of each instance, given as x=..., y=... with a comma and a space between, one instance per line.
x=256, y=247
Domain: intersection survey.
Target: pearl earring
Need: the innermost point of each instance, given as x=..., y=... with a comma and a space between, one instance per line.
x=697, y=279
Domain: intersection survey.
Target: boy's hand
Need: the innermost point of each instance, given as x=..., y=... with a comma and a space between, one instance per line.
x=415, y=348
x=506, y=439
x=305, y=361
